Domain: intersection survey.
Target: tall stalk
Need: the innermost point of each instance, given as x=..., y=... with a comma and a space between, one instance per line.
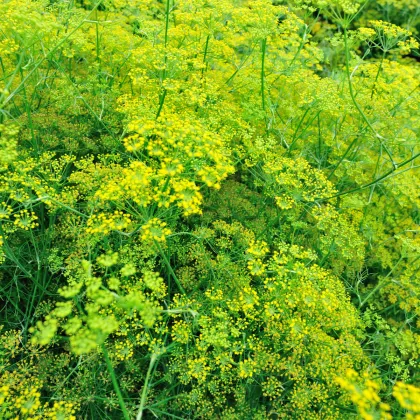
x=115, y=383
x=359, y=109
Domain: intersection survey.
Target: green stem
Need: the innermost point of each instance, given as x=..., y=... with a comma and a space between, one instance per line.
x=48, y=55
x=386, y=175
x=295, y=139
x=238, y=68
x=162, y=95
x=66, y=207
x=115, y=383
x=206, y=48
x=263, y=50
x=161, y=102
x=302, y=43
x=353, y=98
x=343, y=157
x=167, y=12
x=146, y=387
x=98, y=59
x=15, y=305
x=29, y=113
x=169, y=267
x=377, y=74
x=380, y=285
x=319, y=142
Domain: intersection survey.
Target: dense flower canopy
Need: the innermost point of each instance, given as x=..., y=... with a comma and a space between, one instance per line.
x=209, y=209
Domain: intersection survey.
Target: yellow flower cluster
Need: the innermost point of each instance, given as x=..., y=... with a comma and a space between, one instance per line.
x=5, y=210
x=249, y=152
x=337, y=7
x=123, y=350
x=390, y=36
x=297, y=179
x=4, y=390
x=408, y=396
x=247, y=368
x=24, y=219
x=363, y=392
x=105, y=223
x=400, y=4
x=258, y=249
x=8, y=142
x=61, y=411
x=177, y=148
x=256, y=267
x=29, y=401
x=155, y=230
x=21, y=397
x=244, y=330
x=198, y=368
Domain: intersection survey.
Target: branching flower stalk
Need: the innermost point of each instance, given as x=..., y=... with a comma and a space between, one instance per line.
x=359, y=109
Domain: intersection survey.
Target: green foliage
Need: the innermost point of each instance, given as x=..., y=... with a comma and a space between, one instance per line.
x=209, y=209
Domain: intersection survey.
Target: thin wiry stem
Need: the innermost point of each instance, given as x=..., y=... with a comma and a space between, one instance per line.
x=263, y=50
x=115, y=383
x=146, y=387
x=353, y=98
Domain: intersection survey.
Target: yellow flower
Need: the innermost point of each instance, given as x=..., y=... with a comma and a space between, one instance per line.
x=408, y=396
x=155, y=230
x=25, y=219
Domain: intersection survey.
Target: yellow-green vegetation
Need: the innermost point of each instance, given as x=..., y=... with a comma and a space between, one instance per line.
x=209, y=209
